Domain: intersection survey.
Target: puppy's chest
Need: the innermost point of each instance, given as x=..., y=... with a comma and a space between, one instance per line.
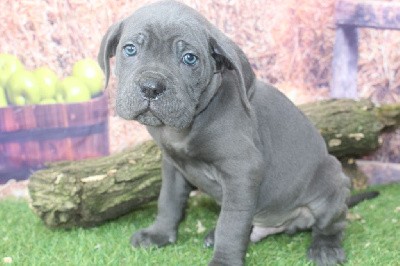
x=193, y=159
x=199, y=172
x=180, y=150
x=196, y=170
x=190, y=162
x=203, y=175
x=175, y=144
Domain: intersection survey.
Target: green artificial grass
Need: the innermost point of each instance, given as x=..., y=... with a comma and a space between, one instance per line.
x=373, y=239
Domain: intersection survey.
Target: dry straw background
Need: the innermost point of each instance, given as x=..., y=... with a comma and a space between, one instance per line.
x=289, y=43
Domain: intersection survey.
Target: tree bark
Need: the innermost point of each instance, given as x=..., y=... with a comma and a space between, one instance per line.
x=89, y=192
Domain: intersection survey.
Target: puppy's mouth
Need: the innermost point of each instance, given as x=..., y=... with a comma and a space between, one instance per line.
x=158, y=114
x=148, y=117
x=140, y=111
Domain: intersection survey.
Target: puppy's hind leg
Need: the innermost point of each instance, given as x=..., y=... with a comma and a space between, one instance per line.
x=326, y=246
x=330, y=214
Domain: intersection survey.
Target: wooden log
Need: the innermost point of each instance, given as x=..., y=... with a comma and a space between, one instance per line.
x=89, y=192
x=350, y=128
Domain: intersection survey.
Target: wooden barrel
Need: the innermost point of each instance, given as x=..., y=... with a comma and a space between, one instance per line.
x=31, y=136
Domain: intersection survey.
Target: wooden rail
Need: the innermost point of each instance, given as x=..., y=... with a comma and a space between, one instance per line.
x=371, y=14
x=351, y=15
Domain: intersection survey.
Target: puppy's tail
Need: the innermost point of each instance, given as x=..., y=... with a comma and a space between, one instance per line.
x=355, y=199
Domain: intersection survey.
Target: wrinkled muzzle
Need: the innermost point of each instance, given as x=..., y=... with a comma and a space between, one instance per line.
x=154, y=99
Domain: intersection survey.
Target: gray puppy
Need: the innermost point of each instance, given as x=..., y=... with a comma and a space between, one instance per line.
x=227, y=133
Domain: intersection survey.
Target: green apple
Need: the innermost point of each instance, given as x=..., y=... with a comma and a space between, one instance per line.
x=90, y=73
x=48, y=101
x=8, y=65
x=72, y=90
x=22, y=88
x=47, y=81
x=3, y=98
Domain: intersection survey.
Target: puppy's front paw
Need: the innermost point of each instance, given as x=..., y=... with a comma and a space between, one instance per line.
x=149, y=237
x=219, y=262
x=209, y=239
x=226, y=259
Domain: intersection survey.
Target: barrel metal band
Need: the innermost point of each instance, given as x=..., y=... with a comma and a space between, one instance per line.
x=45, y=134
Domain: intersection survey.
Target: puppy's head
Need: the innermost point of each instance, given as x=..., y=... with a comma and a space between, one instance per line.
x=169, y=64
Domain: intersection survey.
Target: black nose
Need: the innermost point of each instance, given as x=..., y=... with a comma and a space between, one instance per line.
x=151, y=88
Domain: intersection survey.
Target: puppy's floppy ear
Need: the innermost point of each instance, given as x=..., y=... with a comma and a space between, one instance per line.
x=221, y=61
x=229, y=56
x=108, y=48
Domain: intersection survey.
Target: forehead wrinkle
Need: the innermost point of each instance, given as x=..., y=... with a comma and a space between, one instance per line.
x=155, y=37
x=169, y=33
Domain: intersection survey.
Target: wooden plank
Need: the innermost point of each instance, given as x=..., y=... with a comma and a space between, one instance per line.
x=371, y=14
x=344, y=64
x=30, y=155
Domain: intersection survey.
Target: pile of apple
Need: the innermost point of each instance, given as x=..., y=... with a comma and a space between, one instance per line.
x=19, y=86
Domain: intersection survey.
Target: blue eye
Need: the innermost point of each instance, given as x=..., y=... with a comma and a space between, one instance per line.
x=130, y=50
x=189, y=59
